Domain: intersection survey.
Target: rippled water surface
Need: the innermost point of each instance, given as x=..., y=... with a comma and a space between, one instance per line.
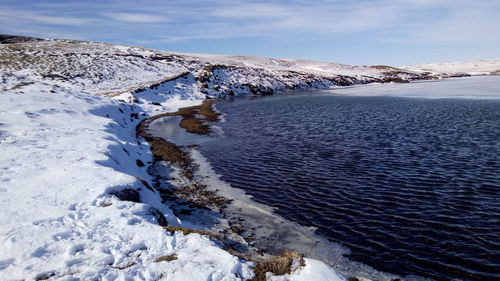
x=409, y=185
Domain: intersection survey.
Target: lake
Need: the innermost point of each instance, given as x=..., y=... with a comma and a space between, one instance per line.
x=405, y=176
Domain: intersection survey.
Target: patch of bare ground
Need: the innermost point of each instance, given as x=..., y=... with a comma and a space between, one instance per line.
x=20, y=85
x=123, y=267
x=166, y=258
x=187, y=231
x=277, y=265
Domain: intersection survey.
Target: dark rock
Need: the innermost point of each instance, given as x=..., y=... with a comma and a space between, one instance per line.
x=139, y=163
x=127, y=194
x=11, y=39
x=160, y=218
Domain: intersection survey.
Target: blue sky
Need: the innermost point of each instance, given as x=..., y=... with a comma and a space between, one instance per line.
x=394, y=32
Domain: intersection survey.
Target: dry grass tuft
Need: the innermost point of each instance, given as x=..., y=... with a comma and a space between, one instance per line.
x=187, y=231
x=20, y=85
x=201, y=196
x=124, y=267
x=166, y=258
x=278, y=265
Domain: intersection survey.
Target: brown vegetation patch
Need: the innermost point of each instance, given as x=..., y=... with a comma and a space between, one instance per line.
x=277, y=265
x=199, y=195
x=187, y=231
x=21, y=85
x=125, y=266
x=166, y=258
x=163, y=150
x=193, y=120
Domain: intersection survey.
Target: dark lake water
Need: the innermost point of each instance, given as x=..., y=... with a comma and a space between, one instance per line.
x=410, y=185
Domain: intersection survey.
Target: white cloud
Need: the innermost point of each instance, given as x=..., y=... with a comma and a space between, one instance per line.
x=60, y=20
x=137, y=17
x=27, y=17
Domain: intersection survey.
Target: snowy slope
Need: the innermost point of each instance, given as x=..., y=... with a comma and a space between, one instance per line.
x=63, y=154
x=480, y=67
x=77, y=202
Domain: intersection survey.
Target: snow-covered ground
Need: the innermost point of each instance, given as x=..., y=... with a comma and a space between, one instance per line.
x=480, y=67
x=77, y=203
x=63, y=153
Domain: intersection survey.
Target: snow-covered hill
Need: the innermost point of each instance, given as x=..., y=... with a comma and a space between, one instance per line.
x=77, y=200
x=104, y=69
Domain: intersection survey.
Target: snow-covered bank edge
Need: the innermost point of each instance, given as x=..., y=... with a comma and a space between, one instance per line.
x=78, y=199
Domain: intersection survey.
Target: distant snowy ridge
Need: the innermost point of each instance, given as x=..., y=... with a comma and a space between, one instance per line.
x=105, y=69
x=479, y=67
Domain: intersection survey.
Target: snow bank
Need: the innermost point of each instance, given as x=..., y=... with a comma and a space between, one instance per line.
x=63, y=152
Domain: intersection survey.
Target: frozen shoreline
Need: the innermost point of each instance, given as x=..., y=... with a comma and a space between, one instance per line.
x=262, y=228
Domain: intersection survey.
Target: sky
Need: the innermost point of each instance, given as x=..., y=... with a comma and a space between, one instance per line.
x=362, y=32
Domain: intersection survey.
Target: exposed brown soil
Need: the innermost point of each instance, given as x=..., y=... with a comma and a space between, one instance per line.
x=166, y=258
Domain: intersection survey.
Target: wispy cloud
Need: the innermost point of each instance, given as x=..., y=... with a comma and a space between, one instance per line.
x=264, y=18
x=27, y=17
x=136, y=17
